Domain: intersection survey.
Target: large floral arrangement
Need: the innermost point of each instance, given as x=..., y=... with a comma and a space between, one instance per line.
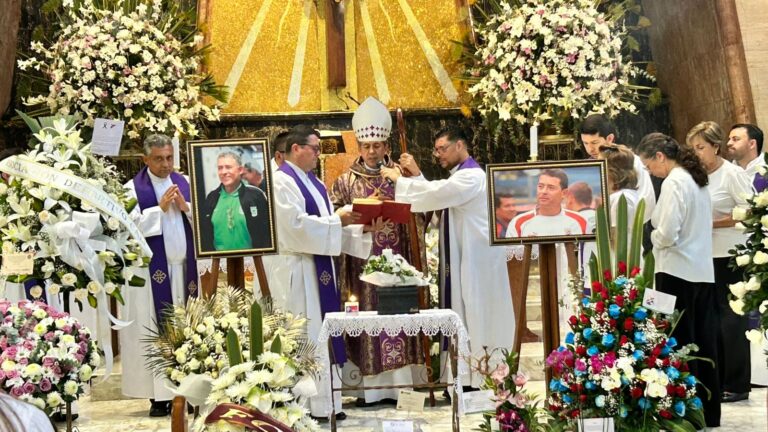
x=269, y=385
x=618, y=361
x=192, y=338
x=547, y=60
x=139, y=65
x=46, y=357
x=77, y=247
x=516, y=409
x=751, y=295
x=432, y=241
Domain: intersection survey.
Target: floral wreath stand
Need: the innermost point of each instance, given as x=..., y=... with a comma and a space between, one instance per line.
x=235, y=275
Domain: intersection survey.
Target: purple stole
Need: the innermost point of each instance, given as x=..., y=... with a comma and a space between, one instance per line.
x=330, y=297
x=445, y=266
x=158, y=266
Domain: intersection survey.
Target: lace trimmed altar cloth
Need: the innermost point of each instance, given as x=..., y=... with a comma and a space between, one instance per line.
x=429, y=321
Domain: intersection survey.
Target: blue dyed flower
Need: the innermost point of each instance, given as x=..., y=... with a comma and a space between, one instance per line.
x=638, y=355
x=671, y=342
x=623, y=411
x=600, y=401
x=593, y=351
x=614, y=311
x=644, y=403
x=585, y=301
x=554, y=384
x=665, y=351
x=641, y=313
x=567, y=399
x=620, y=281
x=569, y=338
x=640, y=337
x=696, y=403
x=590, y=385
x=608, y=340
x=624, y=380
x=680, y=408
x=587, y=332
x=673, y=373
x=690, y=380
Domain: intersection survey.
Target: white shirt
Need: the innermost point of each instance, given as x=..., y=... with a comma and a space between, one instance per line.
x=753, y=167
x=683, y=213
x=727, y=186
x=645, y=188
x=24, y=416
x=533, y=224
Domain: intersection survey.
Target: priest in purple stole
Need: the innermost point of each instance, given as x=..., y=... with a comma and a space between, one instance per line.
x=475, y=282
x=303, y=278
x=381, y=360
x=163, y=216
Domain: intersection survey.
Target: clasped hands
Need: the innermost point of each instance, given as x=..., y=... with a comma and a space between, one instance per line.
x=173, y=195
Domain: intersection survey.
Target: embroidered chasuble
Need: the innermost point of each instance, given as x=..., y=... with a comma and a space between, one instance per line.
x=373, y=355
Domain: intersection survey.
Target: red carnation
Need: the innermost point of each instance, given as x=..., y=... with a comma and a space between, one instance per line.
x=636, y=392
x=575, y=413
x=612, y=322
x=581, y=350
x=680, y=391
x=666, y=414
x=671, y=390
x=665, y=362
x=622, y=267
x=676, y=364
x=600, y=307
x=651, y=362
x=635, y=271
x=582, y=398
x=584, y=319
x=623, y=340
x=656, y=350
x=632, y=294
x=619, y=299
x=572, y=320
x=629, y=323
x=604, y=294
x=597, y=286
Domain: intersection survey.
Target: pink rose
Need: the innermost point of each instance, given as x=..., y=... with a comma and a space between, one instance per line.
x=16, y=392
x=11, y=351
x=12, y=374
x=48, y=361
x=45, y=385
x=28, y=387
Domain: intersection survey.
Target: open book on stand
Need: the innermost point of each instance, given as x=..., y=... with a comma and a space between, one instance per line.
x=371, y=208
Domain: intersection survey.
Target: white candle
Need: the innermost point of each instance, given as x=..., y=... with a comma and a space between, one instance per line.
x=176, y=153
x=534, y=142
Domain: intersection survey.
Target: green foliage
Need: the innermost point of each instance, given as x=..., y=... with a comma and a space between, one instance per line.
x=234, y=353
x=257, y=331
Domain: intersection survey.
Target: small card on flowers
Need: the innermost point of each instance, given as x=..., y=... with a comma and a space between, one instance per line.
x=478, y=401
x=597, y=425
x=410, y=400
x=397, y=426
x=658, y=301
x=107, y=136
x=17, y=264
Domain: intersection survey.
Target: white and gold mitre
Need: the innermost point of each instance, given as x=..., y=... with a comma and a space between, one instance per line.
x=372, y=122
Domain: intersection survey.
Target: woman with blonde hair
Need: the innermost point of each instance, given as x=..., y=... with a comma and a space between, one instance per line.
x=682, y=213
x=728, y=185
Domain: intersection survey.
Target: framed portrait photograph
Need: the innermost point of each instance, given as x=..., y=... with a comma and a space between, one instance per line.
x=545, y=202
x=232, y=195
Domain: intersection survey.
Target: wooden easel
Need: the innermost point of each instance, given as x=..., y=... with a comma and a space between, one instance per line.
x=235, y=275
x=519, y=275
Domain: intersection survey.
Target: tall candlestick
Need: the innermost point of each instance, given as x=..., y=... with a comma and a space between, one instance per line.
x=534, y=142
x=176, y=153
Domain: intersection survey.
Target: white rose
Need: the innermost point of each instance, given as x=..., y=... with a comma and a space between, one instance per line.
x=36, y=291
x=81, y=294
x=737, y=306
x=93, y=287
x=54, y=289
x=69, y=279
x=763, y=307
x=44, y=216
x=755, y=336
x=760, y=258
x=743, y=260
x=761, y=199
x=739, y=213
x=109, y=287
x=753, y=284
x=738, y=289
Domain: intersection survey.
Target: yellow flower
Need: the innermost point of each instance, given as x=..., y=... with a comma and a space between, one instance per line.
x=466, y=111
